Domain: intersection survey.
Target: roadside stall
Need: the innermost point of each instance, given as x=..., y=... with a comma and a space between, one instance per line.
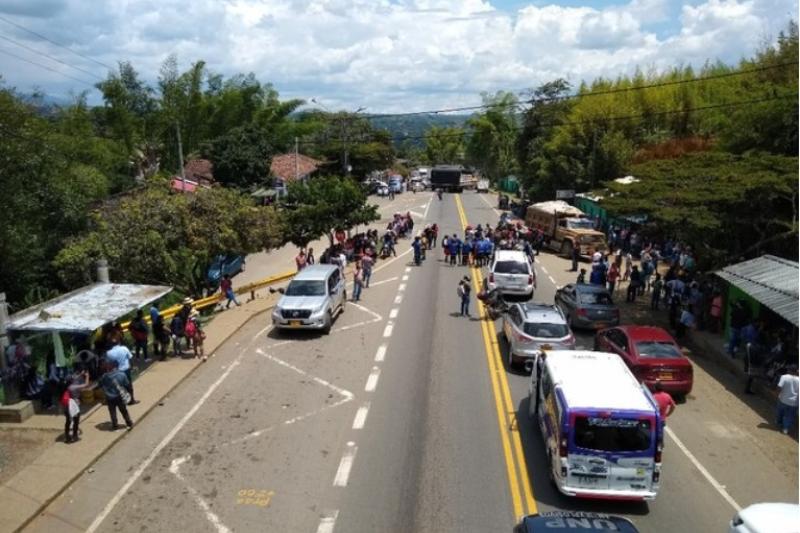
x=57, y=331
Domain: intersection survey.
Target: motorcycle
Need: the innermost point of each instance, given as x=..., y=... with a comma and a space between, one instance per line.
x=494, y=303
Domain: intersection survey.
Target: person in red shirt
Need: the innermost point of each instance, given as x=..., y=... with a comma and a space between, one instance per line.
x=666, y=405
x=300, y=260
x=226, y=290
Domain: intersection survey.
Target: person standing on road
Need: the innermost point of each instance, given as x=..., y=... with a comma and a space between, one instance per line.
x=310, y=260
x=358, y=282
x=434, y=235
x=226, y=289
x=301, y=260
x=666, y=405
x=366, y=268
x=121, y=356
x=740, y=316
x=115, y=385
x=628, y=266
x=446, y=248
x=655, y=298
x=177, y=332
x=788, y=385
x=464, y=291
x=686, y=322
x=612, y=277
x=575, y=256
x=633, y=285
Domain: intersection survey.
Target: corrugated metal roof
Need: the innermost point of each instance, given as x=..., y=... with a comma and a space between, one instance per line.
x=88, y=308
x=770, y=280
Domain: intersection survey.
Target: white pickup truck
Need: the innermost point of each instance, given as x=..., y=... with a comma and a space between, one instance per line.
x=483, y=185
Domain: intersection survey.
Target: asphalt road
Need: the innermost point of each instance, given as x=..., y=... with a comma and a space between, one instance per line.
x=404, y=419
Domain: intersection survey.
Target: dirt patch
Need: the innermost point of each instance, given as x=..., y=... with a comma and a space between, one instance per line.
x=20, y=447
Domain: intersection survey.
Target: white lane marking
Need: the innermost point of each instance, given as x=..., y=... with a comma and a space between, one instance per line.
x=401, y=287
x=398, y=299
x=281, y=343
x=361, y=416
x=714, y=483
x=393, y=312
x=387, y=331
x=416, y=214
x=408, y=269
x=168, y=438
x=343, y=392
x=328, y=522
x=343, y=472
x=372, y=380
x=210, y=515
x=381, y=282
x=405, y=277
x=543, y=269
x=380, y=355
x=427, y=206
x=498, y=213
x=551, y=280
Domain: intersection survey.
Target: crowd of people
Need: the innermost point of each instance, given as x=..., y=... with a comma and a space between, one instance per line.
x=101, y=361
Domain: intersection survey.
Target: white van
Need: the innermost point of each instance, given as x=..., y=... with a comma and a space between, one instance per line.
x=511, y=273
x=602, y=431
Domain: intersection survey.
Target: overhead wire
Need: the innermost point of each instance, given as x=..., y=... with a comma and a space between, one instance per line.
x=48, y=56
x=89, y=83
x=4, y=19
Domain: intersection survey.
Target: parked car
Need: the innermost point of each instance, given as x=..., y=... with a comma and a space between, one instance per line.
x=314, y=297
x=511, y=273
x=230, y=264
x=372, y=185
x=574, y=522
x=482, y=186
x=587, y=306
x=767, y=518
x=382, y=189
x=416, y=184
x=396, y=184
x=651, y=353
x=530, y=328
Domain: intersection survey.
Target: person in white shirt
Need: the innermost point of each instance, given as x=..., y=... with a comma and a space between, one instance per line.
x=788, y=384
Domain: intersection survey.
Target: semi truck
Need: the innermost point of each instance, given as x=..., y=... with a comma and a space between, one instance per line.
x=447, y=178
x=565, y=228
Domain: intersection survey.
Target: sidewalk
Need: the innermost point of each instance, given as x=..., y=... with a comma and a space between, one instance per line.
x=35, y=485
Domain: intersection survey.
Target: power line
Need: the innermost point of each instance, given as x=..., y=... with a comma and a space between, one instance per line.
x=89, y=83
x=55, y=43
x=588, y=121
x=35, y=51
x=532, y=101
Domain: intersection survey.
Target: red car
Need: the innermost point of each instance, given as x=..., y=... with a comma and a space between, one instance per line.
x=651, y=353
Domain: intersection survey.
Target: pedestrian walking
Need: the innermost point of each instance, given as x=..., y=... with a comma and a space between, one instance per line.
x=71, y=401
x=139, y=331
x=115, y=385
x=633, y=285
x=300, y=260
x=666, y=405
x=788, y=385
x=121, y=356
x=366, y=269
x=226, y=290
x=358, y=281
x=575, y=256
x=612, y=277
x=464, y=290
x=655, y=297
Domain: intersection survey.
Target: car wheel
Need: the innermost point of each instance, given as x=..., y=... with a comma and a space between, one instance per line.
x=326, y=329
x=566, y=249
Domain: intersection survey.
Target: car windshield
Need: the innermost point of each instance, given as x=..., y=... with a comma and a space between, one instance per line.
x=300, y=287
x=612, y=434
x=510, y=267
x=595, y=298
x=660, y=350
x=580, y=223
x=546, y=331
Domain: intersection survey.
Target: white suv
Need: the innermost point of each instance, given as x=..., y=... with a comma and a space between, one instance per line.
x=511, y=273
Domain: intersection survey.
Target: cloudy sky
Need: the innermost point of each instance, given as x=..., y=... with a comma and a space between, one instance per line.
x=384, y=55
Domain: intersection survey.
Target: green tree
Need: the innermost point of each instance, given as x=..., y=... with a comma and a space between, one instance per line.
x=322, y=205
x=241, y=157
x=153, y=236
x=493, y=137
x=444, y=145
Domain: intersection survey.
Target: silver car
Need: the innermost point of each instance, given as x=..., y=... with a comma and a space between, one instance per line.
x=511, y=273
x=533, y=327
x=311, y=301
x=587, y=306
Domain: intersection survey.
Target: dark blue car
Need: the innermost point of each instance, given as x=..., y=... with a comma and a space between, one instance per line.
x=230, y=264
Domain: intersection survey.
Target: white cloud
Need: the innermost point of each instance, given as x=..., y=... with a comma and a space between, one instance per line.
x=391, y=55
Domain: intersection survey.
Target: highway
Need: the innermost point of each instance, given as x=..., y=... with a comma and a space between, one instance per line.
x=406, y=418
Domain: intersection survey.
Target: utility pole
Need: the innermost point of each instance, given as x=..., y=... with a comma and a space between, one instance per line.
x=296, y=160
x=180, y=156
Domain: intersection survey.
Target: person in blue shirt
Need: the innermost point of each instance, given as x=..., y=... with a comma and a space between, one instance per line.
x=417, y=245
x=466, y=251
x=113, y=382
x=121, y=356
x=455, y=249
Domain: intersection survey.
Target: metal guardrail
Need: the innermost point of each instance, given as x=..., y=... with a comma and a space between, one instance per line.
x=212, y=300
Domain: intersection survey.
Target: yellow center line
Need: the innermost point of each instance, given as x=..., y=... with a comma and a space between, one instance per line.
x=506, y=413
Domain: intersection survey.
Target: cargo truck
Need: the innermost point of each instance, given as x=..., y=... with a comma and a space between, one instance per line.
x=565, y=228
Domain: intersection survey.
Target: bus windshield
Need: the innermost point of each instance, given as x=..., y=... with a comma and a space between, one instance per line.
x=612, y=434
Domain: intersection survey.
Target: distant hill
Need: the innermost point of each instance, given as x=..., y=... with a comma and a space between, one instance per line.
x=413, y=127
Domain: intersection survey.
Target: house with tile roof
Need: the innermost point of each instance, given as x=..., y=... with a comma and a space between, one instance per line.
x=286, y=168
